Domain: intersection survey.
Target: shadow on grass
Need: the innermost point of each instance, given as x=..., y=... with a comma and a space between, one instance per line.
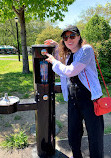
x=18, y=84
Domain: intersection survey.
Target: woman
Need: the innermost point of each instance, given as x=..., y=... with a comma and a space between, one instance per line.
x=77, y=63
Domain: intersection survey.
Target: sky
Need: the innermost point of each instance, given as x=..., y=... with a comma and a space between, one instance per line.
x=74, y=10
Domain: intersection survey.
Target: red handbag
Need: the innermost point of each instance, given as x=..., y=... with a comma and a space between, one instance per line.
x=101, y=105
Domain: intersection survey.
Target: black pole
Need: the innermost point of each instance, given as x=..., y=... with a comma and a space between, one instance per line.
x=18, y=41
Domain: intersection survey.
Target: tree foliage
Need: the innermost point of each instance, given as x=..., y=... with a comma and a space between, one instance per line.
x=35, y=9
x=96, y=29
x=34, y=27
x=86, y=15
x=104, y=11
x=104, y=58
x=7, y=33
x=30, y=9
x=49, y=33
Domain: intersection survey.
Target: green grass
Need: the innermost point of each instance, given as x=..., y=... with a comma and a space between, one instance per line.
x=59, y=98
x=14, y=82
x=59, y=123
x=17, y=117
x=107, y=130
x=7, y=124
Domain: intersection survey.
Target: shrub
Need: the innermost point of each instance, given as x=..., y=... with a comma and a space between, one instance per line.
x=17, y=140
x=104, y=58
x=96, y=29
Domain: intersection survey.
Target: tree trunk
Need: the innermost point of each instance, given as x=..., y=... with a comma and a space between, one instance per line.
x=23, y=42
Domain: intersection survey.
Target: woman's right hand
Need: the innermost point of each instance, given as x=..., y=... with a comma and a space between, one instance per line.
x=50, y=58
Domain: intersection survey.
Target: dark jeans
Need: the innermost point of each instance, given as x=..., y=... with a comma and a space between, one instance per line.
x=81, y=107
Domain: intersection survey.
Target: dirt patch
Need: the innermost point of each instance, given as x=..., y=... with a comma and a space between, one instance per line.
x=25, y=153
x=61, y=114
x=25, y=120
x=15, y=122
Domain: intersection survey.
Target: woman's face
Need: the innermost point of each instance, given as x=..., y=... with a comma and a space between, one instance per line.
x=71, y=41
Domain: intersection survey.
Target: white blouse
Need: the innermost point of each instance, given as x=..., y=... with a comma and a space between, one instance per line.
x=83, y=59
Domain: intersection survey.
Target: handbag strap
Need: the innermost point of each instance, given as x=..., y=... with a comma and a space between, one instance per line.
x=101, y=76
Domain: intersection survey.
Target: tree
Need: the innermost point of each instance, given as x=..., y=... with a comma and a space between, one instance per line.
x=27, y=10
x=8, y=33
x=49, y=32
x=86, y=15
x=104, y=11
x=96, y=29
x=34, y=27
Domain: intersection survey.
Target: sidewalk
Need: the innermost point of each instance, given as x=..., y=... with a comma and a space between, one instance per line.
x=63, y=149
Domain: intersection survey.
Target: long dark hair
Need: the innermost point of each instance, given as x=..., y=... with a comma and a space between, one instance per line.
x=64, y=51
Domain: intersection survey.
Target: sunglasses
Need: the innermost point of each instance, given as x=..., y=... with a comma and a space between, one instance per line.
x=71, y=36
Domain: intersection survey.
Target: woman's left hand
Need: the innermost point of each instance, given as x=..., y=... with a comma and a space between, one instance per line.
x=50, y=42
x=50, y=58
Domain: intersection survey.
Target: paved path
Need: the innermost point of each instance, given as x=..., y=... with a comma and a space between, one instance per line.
x=3, y=57
x=63, y=150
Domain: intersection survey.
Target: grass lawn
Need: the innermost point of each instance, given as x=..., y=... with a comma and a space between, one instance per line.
x=14, y=82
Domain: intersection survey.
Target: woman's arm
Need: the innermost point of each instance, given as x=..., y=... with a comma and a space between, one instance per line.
x=75, y=67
